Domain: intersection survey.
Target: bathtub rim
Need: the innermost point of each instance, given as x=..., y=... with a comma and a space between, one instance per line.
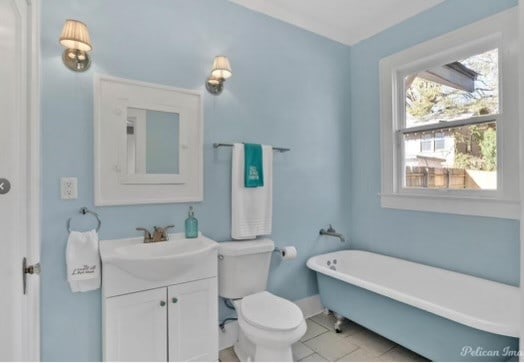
x=477, y=322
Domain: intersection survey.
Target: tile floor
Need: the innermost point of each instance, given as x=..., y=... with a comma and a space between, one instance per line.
x=354, y=344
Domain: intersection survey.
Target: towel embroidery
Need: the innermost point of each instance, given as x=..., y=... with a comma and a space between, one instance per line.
x=253, y=173
x=253, y=166
x=84, y=270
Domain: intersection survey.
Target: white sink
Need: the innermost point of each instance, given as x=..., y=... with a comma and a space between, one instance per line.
x=159, y=261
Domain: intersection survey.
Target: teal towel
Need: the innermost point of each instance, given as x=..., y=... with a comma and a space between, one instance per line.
x=253, y=170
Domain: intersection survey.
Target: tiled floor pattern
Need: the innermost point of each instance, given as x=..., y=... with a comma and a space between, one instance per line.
x=354, y=344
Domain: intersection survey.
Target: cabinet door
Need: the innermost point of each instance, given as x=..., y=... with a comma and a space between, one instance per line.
x=136, y=327
x=193, y=321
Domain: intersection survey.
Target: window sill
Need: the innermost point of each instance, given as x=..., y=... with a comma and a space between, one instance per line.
x=484, y=207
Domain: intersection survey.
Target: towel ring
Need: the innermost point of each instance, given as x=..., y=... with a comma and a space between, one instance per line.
x=85, y=211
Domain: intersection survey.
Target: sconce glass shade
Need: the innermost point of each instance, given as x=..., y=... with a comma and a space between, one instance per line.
x=221, y=68
x=75, y=35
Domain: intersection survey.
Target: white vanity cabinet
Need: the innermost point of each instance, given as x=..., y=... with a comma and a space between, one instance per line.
x=160, y=304
x=176, y=323
x=192, y=321
x=136, y=327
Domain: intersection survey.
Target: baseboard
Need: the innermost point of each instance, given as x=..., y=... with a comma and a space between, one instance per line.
x=310, y=306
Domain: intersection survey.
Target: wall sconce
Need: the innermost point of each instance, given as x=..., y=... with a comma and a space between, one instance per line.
x=75, y=38
x=219, y=73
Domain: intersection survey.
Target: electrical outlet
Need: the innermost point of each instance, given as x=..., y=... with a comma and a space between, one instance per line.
x=69, y=188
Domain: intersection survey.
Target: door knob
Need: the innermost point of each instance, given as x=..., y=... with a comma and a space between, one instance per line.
x=162, y=303
x=174, y=300
x=5, y=186
x=28, y=269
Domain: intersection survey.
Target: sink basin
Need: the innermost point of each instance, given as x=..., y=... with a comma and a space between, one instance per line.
x=158, y=261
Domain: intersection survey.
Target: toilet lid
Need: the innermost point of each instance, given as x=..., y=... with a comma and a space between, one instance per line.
x=267, y=311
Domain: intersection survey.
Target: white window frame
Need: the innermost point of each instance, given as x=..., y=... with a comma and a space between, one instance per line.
x=498, y=31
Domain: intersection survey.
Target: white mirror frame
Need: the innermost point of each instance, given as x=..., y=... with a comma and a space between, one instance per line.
x=113, y=184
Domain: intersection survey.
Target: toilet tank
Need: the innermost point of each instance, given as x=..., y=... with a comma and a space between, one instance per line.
x=243, y=267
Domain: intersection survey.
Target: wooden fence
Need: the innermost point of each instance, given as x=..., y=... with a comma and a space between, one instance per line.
x=435, y=178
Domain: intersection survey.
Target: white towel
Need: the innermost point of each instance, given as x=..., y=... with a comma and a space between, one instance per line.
x=251, y=208
x=83, y=261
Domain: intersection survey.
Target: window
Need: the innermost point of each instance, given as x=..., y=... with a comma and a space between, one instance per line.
x=426, y=143
x=459, y=102
x=449, y=138
x=440, y=141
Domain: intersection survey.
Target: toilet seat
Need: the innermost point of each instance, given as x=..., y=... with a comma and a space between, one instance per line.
x=266, y=311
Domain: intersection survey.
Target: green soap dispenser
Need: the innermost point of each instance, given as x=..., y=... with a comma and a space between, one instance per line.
x=191, y=224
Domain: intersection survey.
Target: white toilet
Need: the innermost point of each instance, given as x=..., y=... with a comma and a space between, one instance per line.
x=269, y=324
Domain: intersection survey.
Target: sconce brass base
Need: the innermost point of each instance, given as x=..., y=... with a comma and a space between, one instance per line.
x=76, y=60
x=215, y=86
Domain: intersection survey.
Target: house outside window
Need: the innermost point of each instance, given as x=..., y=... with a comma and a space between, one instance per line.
x=440, y=141
x=449, y=122
x=426, y=144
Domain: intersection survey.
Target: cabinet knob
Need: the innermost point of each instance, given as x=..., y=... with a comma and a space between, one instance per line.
x=174, y=300
x=162, y=303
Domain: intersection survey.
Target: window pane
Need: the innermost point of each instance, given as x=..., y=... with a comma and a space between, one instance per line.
x=440, y=141
x=426, y=144
x=462, y=158
x=459, y=90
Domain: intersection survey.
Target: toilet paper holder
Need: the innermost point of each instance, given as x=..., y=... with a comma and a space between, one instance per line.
x=279, y=250
x=282, y=252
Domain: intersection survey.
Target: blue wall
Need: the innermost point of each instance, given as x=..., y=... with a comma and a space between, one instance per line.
x=289, y=88
x=485, y=247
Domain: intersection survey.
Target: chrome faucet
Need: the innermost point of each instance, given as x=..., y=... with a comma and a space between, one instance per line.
x=159, y=234
x=332, y=232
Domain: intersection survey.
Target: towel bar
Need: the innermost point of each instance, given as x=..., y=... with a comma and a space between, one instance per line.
x=279, y=149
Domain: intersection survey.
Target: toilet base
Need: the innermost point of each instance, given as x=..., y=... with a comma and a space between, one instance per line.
x=244, y=348
x=261, y=345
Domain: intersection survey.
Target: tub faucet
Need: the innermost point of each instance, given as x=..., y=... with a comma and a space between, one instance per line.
x=333, y=233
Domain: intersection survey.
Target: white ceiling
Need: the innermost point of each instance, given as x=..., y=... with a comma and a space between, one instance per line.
x=345, y=21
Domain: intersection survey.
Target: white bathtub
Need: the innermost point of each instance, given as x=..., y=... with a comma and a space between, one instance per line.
x=473, y=302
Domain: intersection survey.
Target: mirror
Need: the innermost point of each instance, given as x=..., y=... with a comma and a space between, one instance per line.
x=153, y=141
x=148, y=143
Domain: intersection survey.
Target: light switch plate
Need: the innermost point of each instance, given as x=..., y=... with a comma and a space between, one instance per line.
x=69, y=188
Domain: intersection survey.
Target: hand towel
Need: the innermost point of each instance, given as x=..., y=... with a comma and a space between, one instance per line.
x=83, y=261
x=253, y=166
x=251, y=208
